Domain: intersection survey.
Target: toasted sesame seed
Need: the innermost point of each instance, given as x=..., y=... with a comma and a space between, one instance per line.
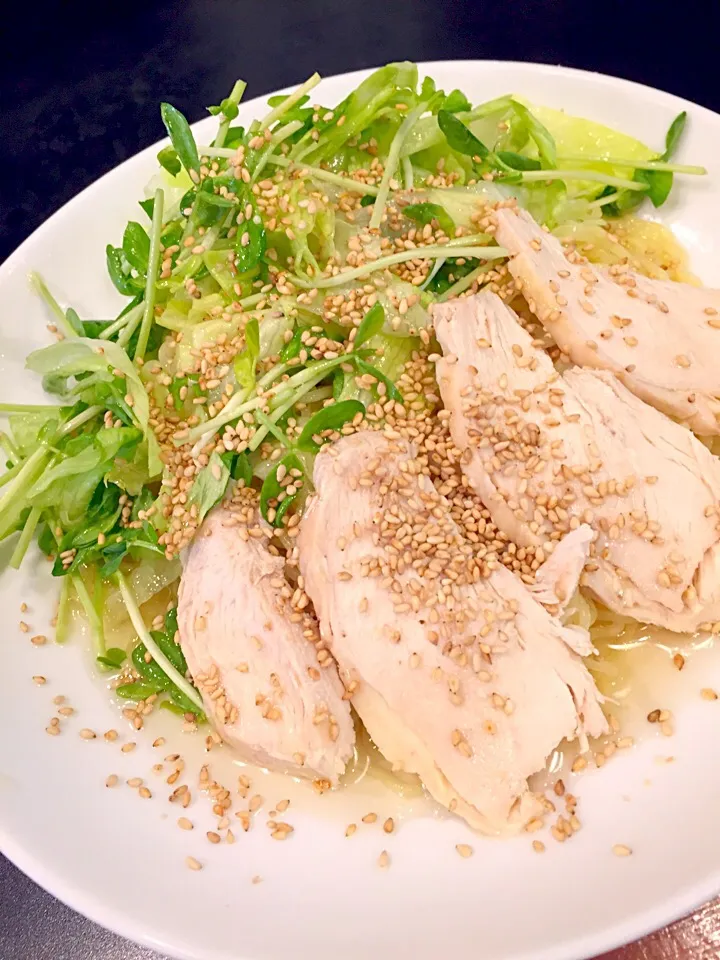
x=39, y=680
x=464, y=849
x=112, y=780
x=389, y=825
x=369, y=818
x=350, y=829
x=192, y=863
x=87, y=734
x=212, y=836
x=538, y=846
x=128, y=747
x=707, y=693
x=620, y=850
x=384, y=860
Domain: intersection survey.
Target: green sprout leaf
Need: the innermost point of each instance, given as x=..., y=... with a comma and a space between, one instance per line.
x=370, y=325
x=330, y=418
x=272, y=488
x=181, y=137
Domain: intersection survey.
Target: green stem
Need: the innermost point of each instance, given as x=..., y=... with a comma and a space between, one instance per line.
x=133, y=316
x=63, y=610
x=282, y=134
x=408, y=174
x=25, y=537
x=270, y=426
x=392, y=162
x=9, y=474
x=531, y=176
x=289, y=102
x=30, y=471
x=317, y=173
x=659, y=165
x=28, y=407
x=8, y=445
x=77, y=421
x=233, y=410
x=236, y=95
x=604, y=201
x=62, y=321
x=151, y=280
x=222, y=152
x=464, y=283
x=417, y=253
x=157, y=654
x=94, y=622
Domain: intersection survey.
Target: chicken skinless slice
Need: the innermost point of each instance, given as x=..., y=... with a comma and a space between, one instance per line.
x=251, y=653
x=458, y=674
x=547, y=453
x=661, y=338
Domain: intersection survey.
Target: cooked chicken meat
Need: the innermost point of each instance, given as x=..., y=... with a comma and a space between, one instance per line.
x=252, y=654
x=458, y=674
x=661, y=338
x=547, y=452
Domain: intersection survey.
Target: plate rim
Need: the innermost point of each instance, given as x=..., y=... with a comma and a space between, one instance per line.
x=90, y=905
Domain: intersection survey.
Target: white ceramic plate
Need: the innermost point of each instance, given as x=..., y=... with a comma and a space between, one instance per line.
x=120, y=859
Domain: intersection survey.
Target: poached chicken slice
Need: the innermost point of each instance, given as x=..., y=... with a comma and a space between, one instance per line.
x=459, y=675
x=547, y=453
x=251, y=652
x=659, y=337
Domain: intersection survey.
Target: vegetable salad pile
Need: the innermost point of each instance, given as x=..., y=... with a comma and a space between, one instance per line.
x=278, y=283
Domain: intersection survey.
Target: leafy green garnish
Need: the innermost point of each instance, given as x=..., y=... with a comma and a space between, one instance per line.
x=181, y=137
x=658, y=182
x=209, y=485
x=272, y=488
x=455, y=102
x=460, y=137
x=119, y=274
x=238, y=463
x=332, y=417
x=370, y=325
x=168, y=160
x=136, y=247
x=427, y=212
x=392, y=392
x=246, y=361
x=516, y=161
x=113, y=658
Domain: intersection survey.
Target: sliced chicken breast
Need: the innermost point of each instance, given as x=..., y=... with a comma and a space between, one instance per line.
x=252, y=651
x=458, y=674
x=547, y=453
x=660, y=337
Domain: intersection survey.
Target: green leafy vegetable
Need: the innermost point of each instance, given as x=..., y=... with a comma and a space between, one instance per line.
x=392, y=391
x=460, y=137
x=113, y=658
x=245, y=362
x=371, y=324
x=427, y=212
x=181, y=137
x=209, y=486
x=273, y=489
x=331, y=418
x=168, y=160
x=136, y=247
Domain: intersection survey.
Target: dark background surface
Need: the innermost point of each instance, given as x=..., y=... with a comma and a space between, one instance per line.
x=79, y=92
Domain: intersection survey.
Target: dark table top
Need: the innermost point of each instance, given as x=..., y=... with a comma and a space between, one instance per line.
x=80, y=90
